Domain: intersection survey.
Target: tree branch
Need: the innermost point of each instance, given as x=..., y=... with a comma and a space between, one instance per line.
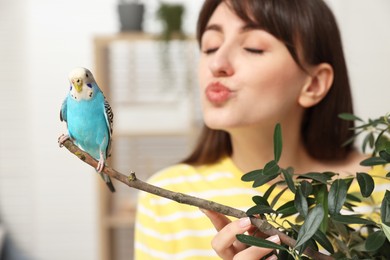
x=133, y=182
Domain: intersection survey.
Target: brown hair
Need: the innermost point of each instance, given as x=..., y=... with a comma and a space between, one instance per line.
x=307, y=25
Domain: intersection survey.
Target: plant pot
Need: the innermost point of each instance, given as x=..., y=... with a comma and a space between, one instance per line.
x=171, y=16
x=131, y=16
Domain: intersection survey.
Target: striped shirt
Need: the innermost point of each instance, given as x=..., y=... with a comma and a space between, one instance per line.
x=166, y=229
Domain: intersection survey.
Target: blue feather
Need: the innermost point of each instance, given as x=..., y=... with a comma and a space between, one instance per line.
x=89, y=124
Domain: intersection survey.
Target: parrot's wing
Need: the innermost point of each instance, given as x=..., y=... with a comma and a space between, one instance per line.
x=110, y=123
x=63, y=110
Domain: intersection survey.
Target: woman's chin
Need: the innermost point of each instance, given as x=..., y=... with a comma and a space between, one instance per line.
x=217, y=124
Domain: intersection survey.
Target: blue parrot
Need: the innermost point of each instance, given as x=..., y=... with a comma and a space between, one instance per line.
x=89, y=118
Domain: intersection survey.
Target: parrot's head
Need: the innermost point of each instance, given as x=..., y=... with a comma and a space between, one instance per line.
x=82, y=84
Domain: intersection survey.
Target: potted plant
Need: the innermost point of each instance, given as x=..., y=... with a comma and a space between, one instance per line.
x=171, y=17
x=131, y=14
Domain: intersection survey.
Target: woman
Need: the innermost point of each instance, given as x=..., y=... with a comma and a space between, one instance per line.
x=262, y=62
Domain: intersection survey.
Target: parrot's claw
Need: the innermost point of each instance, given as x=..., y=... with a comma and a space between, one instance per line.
x=100, y=165
x=62, y=139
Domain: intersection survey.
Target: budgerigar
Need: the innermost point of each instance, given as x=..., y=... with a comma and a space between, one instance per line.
x=89, y=118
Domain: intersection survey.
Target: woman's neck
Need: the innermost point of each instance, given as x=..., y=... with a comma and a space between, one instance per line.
x=252, y=149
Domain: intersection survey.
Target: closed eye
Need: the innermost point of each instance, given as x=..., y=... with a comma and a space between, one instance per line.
x=210, y=50
x=255, y=51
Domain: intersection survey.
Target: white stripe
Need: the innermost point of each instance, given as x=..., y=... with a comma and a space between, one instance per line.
x=210, y=194
x=173, y=217
x=177, y=256
x=382, y=187
x=196, y=214
x=194, y=178
x=364, y=210
x=175, y=236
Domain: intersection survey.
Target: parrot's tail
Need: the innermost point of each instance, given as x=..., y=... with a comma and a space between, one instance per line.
x=110, y=185
x=108, y=181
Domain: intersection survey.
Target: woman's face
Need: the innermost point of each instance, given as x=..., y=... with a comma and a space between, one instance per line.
x=247, y=76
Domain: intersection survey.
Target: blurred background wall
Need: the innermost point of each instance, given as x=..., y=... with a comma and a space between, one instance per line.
x=48, y=199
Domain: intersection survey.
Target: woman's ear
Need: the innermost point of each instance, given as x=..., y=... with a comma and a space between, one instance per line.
x=318, y=85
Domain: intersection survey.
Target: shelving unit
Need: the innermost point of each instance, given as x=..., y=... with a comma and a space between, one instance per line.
x=151, y=86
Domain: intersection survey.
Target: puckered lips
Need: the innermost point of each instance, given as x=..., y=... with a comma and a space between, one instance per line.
x=217, y=93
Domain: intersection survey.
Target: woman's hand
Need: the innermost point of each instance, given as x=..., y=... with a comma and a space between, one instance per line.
x=227, y=246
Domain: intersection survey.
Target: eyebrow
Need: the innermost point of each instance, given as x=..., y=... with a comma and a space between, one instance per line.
x=213, y=27
x=251, y=26
x=245, y=28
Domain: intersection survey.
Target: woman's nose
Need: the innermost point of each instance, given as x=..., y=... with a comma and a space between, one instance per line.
x=220, y=64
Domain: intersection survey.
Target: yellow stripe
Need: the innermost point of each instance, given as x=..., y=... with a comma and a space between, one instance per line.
x=169, y=230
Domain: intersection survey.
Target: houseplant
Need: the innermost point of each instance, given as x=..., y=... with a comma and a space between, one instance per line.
x=131, y=13
x=171, y=17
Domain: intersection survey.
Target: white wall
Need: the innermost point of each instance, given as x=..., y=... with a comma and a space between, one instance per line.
x=48, y=198
x=15, y=144
x=365, y=30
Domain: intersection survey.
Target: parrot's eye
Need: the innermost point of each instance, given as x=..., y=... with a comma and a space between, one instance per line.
x=86, y=75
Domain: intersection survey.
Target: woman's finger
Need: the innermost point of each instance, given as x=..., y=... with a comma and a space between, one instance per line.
x=219, y=220
x=225, y=242
x=255, y=253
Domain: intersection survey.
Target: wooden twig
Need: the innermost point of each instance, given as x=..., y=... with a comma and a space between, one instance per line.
x=133, y=182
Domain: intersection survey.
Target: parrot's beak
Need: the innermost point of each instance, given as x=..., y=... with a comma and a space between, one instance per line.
x=78, y=84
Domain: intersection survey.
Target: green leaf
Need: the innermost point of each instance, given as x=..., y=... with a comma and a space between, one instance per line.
x=363, y=126
x=259, y=200
x=368, y=140
x=259, y=209
x=349, y=206
x=300, y=203
x=268, y=192
x=287, y=174
x=329, y=174
x=387, y=196
x=321, y=197
x=341, y=229
x=337, y=196
x=287, y=209
x=311, y=225
x=352, y=219
x=321, y=238
x=306, y=188
x=386, y=230
x=271, y=168
x=366, y=184
x=382, y=142
x=385, y=155
x=302, y=247
x=263, y=179
x=349, y=141
x=251, y=176
x=259, y=242
x=320, y=177
x=348, y=181
x=352, y=138
x=277, y=197
x=375, y=240
x=372, y=161
x=385, y=208
x=349, y=117
x=277, y=142
x=354, y=198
